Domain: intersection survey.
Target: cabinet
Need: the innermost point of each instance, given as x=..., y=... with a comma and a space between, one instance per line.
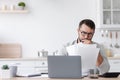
x=27, y=65
x=114, y=65
x=110, y=13
x=41, y=66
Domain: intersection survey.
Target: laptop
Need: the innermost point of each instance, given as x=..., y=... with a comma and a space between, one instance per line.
x=64, y=67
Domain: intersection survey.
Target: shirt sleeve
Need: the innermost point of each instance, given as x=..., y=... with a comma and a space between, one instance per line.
x=104, y=67
x=63, y=50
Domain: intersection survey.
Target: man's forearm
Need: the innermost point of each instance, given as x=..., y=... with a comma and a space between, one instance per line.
x=99, y=60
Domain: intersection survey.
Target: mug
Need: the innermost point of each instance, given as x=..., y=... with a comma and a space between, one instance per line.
x=13, y=71
x=93, y=73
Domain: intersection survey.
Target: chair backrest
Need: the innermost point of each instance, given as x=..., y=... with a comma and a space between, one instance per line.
x=9, y=50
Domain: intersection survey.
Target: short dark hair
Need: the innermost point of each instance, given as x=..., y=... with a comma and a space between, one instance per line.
x=87, y=22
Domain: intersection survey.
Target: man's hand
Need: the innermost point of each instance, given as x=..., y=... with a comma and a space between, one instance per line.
x=86, y=41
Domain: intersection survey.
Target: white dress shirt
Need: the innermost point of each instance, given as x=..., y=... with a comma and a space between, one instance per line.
x=103, y=68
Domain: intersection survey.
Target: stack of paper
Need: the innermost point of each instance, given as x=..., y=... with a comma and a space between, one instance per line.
x=88, y=53
x=29, y=74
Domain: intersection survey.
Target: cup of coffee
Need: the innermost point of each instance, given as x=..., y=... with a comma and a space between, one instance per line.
x=93, y=73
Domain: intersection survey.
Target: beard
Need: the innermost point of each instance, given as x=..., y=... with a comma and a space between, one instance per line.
x=83, y=39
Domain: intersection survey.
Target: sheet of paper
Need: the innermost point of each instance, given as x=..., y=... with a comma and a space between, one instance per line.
x=86, y=45
x=25, y=74
x=88, y=55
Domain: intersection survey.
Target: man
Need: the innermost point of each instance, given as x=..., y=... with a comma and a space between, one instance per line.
x=86, y=31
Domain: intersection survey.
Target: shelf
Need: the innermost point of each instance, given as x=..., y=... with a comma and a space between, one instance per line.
x=13, y=11
x=109, y=28
x=106, y=9
x=113, y=58
x=116, y=9
x=111, y=10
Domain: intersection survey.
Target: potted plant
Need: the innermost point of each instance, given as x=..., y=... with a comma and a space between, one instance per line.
x=5, y=67
x=6, y=71
x=22, y=5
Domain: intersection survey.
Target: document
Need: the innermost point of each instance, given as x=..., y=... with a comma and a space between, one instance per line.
x=86, y=45
x=29, y=74
x=88, y=53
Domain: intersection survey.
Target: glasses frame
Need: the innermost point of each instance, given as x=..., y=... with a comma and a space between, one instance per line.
x=83, y=33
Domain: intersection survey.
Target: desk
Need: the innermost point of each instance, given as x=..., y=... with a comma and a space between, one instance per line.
x=86, y=78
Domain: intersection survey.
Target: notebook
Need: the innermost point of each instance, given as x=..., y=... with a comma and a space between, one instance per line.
x=64, y=67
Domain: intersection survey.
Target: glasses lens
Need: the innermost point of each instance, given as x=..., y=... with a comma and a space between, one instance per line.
x=85, y=33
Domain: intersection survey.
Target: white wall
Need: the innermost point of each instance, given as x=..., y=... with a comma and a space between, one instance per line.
x=48, y=25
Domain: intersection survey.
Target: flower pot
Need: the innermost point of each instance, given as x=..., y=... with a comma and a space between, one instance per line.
x=6, y=74
x=21, y=8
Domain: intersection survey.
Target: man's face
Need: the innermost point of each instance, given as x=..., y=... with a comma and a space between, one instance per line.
x=85, y=33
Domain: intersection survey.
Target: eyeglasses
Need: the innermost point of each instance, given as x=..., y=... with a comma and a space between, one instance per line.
x=83, y=33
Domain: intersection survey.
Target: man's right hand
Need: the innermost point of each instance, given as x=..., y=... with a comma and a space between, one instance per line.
x=86, y=41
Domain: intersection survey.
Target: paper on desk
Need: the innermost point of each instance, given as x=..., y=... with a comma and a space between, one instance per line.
x=29, y=74
x=88, y=55
x=42, y=76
